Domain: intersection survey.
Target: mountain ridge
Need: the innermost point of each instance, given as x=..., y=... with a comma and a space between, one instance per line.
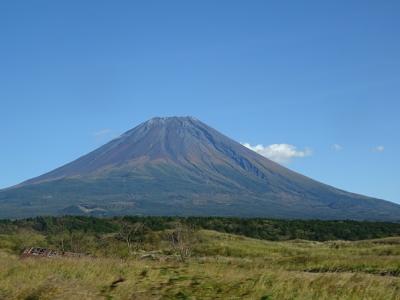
x=180, y=165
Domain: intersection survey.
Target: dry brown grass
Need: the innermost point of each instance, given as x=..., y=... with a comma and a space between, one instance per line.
x=223, y=267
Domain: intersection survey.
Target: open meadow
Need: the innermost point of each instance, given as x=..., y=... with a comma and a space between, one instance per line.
x=179, y=262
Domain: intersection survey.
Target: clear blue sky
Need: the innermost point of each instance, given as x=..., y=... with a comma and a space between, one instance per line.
x=74, y=74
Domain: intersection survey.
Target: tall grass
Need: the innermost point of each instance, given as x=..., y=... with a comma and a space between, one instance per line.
x=223, y=266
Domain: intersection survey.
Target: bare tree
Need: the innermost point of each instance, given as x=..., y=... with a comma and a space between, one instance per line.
x=131, y=234
x=61, y=234
x=181, y=240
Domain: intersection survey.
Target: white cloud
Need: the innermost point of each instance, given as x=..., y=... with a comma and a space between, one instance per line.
x=102, y=132
x=379, y=148
x=337, y=147
x=104, y=135
x=280, y=153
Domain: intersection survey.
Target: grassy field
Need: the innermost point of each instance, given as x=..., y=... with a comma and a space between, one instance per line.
x=220, y=266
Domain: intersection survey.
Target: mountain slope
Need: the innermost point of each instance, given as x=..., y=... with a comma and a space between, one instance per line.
x=181, y=166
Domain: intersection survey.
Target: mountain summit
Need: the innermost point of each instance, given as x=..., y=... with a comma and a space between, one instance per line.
x=181, y=166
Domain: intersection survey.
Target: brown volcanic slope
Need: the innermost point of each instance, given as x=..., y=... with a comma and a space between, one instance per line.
x=181, y=166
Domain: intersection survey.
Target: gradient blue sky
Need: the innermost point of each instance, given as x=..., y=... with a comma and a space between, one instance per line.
x=74, y=74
